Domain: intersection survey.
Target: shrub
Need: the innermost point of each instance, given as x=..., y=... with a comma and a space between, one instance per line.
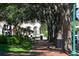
x=9, y=40
x=3, y=39
x=26, y=45
x=13, y=40
x=23, y=42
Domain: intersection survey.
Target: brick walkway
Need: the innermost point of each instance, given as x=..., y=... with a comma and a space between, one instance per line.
x=41, y=48
x=35, y=53
x=48, y=53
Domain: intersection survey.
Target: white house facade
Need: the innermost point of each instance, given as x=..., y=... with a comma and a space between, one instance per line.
x=35, y=26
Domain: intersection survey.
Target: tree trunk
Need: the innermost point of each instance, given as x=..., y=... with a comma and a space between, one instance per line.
x=67, y=30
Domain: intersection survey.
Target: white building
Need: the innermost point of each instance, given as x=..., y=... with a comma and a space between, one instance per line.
x=35, y=26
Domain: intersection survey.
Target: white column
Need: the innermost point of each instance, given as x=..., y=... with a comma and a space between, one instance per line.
x=1, y=26
x=0, y=30
x=12, y=30
x=38, y=30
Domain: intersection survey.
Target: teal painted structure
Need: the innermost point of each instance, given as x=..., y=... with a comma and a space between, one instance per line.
x=73, y=53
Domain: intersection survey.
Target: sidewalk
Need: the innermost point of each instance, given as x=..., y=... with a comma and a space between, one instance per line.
x=48, y=53
x=40, y=48
x=34, y=53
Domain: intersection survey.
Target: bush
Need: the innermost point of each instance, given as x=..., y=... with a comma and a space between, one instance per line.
x=3, y=39
x=26, y=43
x=13, y=40
x=23, y=42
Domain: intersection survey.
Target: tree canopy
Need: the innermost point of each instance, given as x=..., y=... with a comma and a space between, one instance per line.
x=51, y=13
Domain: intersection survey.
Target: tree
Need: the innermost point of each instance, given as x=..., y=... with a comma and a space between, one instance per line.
x=13, y=14
x=60, y=16
x=54, y=15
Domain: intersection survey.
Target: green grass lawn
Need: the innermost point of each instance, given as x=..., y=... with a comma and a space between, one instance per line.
x=43, y=29
x=10, y=48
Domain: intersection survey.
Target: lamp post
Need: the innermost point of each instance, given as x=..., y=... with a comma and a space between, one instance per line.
x=73, y=53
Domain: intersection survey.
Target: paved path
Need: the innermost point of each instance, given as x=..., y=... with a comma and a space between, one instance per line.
x=44, y=48
x=36, y=53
